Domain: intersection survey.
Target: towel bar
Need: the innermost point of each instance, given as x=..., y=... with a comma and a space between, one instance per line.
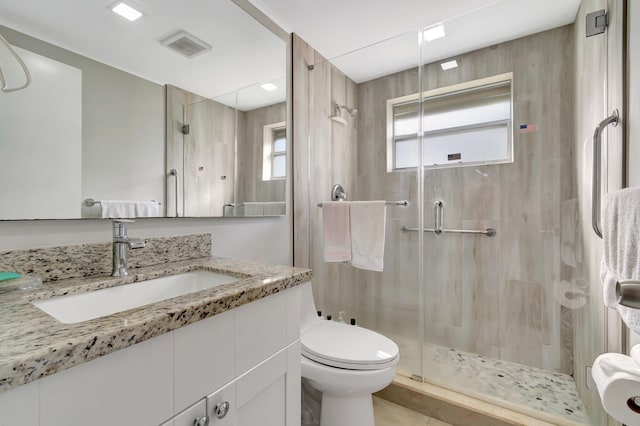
x=628, y=293
x=90, y=202
x=596, y=191
x=174, y=173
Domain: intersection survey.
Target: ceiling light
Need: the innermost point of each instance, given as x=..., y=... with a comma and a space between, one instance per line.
x=126, y=11
x=433, y=33
x=449, y=65
x=269, y=87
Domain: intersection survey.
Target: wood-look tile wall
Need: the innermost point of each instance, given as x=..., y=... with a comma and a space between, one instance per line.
x=493, y=296
x=205, y=158
x=250, y=186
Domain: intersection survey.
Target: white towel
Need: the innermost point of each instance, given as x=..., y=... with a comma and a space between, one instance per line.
x=336, y=231
x=367, y=234
x=118, y=209
x=621, y=256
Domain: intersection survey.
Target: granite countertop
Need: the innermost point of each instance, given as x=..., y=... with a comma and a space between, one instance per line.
x=34, y=345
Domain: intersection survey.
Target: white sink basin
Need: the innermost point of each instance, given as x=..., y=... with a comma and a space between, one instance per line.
x=95, y=304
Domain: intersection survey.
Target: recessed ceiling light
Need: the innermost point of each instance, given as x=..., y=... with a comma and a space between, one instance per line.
x=269, y=87
x=449, y=65
x=126, y=11
x=433, y=33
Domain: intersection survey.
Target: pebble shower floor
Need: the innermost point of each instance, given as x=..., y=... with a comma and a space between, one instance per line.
x=537, y=389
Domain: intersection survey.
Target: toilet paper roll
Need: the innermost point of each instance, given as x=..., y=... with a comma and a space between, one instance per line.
x=569, y=295
x=617, y=378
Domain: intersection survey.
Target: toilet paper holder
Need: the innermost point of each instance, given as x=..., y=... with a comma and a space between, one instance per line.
x=628, y=294
x=634, y=404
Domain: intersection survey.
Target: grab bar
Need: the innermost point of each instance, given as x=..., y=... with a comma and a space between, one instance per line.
x=388, y=203
x=596, y=192
x=174, y=172
x=438, y=218
x=489, y=232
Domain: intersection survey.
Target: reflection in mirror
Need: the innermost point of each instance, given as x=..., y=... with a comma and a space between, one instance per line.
x=89, y=137
x=230, y=170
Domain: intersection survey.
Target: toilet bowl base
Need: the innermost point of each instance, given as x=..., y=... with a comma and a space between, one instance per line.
x=342, y=410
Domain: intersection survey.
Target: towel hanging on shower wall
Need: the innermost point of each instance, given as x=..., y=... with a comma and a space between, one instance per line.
x=6, y=53
x=336, y=231
x=368, y=219
x=621, y=254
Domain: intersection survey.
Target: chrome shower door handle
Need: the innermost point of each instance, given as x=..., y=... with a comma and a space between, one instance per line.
x=596, y=192
x=437, y=219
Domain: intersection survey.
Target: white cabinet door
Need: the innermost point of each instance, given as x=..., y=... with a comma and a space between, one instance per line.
x=133, y=386
x=294, y=378
x=261, y=330
x=261, y=393
x=192, y=416
x=19, y=406
x=203, y=357
x=221, y=406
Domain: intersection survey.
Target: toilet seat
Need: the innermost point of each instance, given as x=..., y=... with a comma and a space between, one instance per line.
x=345, y=346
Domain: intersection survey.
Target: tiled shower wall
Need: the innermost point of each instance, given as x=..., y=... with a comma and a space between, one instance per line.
x=493, y=296
x=251, y=124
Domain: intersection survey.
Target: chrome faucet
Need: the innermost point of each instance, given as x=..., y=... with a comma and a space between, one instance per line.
x=121, y=245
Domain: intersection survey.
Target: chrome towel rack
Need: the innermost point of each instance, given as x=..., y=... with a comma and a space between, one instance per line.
x=388, y=203
x=90, y=202
x=438, y=220
x=596, y=191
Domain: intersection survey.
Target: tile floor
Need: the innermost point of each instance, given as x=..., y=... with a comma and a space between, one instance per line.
x=390, y=414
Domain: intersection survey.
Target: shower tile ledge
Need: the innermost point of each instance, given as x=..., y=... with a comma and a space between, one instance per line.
x=35, y=345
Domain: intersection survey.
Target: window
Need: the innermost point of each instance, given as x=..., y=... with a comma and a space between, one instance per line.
x=274, y=164
x=465, y=124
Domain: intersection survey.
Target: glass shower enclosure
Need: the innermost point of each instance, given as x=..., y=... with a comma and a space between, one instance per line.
x=480, y=288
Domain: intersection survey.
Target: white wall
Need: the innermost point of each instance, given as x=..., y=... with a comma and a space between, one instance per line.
x=54, y=102
x=261, y=239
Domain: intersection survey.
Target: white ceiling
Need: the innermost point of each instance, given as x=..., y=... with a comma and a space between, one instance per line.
x=337, y=27
x=244, y=53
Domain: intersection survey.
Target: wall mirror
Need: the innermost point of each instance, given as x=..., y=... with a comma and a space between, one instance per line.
x=179, y=113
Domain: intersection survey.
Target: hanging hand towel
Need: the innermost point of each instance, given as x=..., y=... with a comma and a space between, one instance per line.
x=621, y=256
x=117, y=209
x=367, y=234
x=336, y=230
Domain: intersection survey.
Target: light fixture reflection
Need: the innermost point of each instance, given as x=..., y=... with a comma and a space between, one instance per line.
x=126, y=11
x=434, y=33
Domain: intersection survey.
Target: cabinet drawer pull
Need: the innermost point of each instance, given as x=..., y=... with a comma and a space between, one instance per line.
x=222, y=409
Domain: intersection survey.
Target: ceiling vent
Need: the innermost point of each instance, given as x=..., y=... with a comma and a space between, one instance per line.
x=186, y=44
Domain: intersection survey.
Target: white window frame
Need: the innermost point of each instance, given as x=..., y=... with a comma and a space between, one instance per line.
x=268, y=152
x=468, y=85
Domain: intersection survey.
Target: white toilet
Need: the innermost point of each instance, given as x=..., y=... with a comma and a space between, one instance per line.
x=346, y=364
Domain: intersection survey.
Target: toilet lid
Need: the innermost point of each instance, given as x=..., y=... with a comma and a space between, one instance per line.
x=346, y=346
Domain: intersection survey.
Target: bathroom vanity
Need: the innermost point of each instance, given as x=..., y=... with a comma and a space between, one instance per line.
x=229, y=355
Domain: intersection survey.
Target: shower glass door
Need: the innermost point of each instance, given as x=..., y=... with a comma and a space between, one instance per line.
x=498, y=181
x=349, y=144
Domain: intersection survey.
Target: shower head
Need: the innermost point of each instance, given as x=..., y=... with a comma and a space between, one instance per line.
x=340, y=120
x=352, y=111
x=337, y=116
